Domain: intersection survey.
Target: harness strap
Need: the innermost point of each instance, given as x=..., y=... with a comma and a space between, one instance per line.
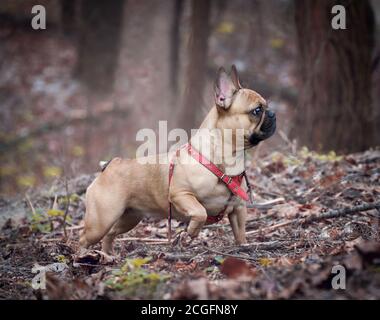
x=171, y=171
x=233, y=183
x=249, y=187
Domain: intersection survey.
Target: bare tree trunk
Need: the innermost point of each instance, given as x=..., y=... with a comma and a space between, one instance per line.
x=68, y=16
x=197, y=64
x=175, y=45
x=335, y=111
x=99, y=43
x=142, y=83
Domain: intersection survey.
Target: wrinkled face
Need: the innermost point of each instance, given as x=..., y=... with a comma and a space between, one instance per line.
x=245, y=109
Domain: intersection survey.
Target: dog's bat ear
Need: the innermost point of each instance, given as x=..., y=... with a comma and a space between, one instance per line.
x=224, y=89
x=235, y=77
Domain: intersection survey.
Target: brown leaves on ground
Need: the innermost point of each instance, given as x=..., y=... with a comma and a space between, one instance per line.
x=369, y=253
x=185, y=267
x=234, y=268
x=282, y=260
x=203, y=289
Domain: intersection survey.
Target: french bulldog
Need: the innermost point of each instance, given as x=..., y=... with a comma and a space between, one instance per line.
x=127, y=190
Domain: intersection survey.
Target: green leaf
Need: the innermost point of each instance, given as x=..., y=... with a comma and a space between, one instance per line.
x=52, y=171
x=55, y=213
x=219, y=259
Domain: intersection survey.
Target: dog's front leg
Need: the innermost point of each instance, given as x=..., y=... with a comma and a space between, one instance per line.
x=237, y=218
x=189, y=206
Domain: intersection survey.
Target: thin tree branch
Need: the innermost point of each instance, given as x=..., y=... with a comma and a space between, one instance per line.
x=334, y=213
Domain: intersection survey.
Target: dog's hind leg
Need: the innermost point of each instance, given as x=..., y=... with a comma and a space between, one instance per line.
x=127, y=222
x=102, y=212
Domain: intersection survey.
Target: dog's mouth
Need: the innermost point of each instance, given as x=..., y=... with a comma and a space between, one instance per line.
x=267, y=129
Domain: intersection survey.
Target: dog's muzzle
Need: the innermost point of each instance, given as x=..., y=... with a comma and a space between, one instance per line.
x=267, y=129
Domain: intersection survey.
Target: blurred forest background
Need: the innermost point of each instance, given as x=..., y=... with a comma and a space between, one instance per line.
x=77, y=92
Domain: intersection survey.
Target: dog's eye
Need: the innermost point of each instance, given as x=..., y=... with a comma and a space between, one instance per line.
x=257, y=111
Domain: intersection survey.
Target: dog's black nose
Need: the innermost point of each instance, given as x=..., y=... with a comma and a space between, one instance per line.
x=270, y=114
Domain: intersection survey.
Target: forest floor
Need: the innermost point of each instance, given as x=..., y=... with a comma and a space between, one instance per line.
x=292, y=246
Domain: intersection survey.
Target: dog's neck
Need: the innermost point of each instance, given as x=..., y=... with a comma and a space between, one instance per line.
x=219, y=147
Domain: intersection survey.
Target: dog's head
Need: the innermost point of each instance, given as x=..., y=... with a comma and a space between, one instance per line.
x=241, y=108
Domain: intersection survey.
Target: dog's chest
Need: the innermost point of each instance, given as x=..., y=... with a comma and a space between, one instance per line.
x=212, y=193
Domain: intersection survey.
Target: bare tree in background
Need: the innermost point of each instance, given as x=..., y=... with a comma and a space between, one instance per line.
x=197, y=63
x=99, y=41
x=68, y=16
x=335, y=111
x=175, y=45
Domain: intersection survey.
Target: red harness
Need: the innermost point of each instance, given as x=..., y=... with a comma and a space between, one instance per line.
x=232, y=182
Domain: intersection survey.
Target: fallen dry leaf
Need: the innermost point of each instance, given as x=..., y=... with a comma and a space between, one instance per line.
x=185, y=267
x=236, y=269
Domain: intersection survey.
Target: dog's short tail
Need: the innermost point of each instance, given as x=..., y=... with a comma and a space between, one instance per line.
x=103, y=164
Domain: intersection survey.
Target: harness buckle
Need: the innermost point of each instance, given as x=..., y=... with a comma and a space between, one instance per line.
x=229, y=178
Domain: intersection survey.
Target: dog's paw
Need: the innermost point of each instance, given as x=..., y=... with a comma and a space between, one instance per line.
x=93, y=257
x=106, y=258
x=183, y=240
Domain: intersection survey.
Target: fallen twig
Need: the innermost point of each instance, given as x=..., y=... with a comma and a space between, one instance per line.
x=176, y=257
x=75, y=228
x=271, y=228
x=50, y=240
x=66, y=209
x=248, y=223
x=334, y=213
x=30, y=203
x=78, y=264
x=150, y=240
x=229, y=254
x=292, y=144
x=266, y=204
x=270, y=245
